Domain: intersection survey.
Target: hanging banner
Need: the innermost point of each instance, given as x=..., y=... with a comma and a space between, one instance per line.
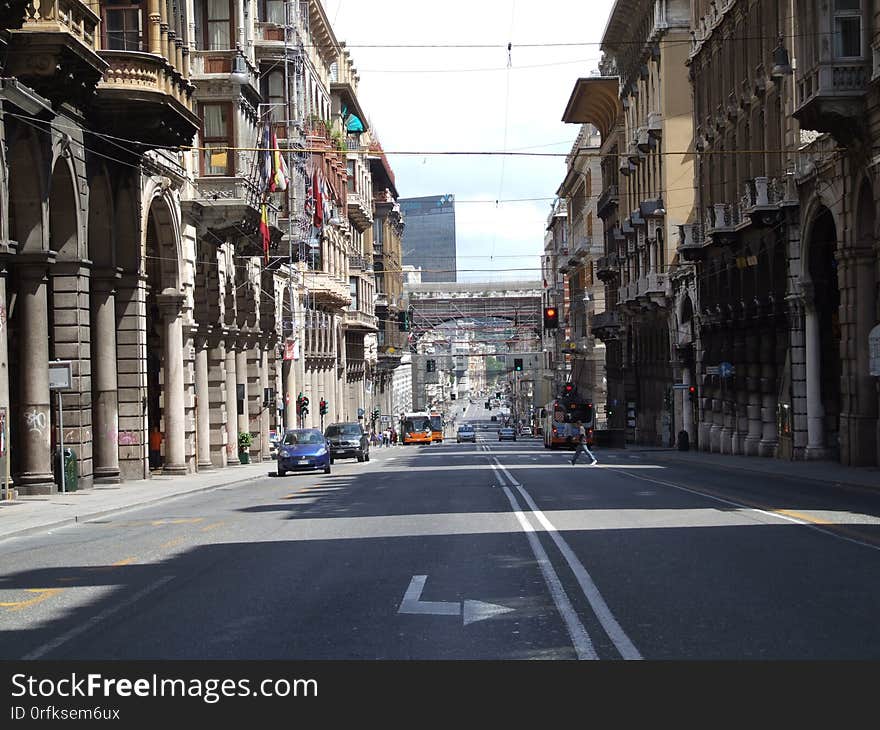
x=290, y=350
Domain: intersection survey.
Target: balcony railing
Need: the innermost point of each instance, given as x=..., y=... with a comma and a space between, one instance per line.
x=607, y=199
x=831, y=96
x=361, y=320
x=67, y=16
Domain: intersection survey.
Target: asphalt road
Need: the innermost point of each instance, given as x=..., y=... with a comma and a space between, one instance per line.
x=470, y=551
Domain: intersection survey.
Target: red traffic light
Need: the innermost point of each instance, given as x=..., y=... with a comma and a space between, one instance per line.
x=692, y=389
x=550, y=312
x=568, y=388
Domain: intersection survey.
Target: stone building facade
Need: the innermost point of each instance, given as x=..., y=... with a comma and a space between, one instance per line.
x=130, y=232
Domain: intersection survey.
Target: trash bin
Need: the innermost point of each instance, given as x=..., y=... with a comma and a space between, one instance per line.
x=683, y=441
x=71, y=470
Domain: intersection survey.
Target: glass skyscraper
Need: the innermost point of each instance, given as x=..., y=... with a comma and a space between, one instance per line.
x=429, y=236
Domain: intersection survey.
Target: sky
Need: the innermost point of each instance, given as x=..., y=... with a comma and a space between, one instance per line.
x=467, y=99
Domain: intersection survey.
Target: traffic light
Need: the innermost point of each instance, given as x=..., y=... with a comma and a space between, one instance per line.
x=304, y=406
x=551, y=318
x=498, y=396
x=568, y=389
x=430, y=366
x=375, y=414
x=403, y=320
x=518, y=364
x=322, y=407
x=488, y=405
x=692, y=390
x=452, y=396
x=299, y=404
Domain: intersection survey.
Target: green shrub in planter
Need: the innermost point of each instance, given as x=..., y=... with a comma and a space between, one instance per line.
x=244, y=444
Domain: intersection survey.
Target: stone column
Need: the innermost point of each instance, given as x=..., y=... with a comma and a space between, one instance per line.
x=241, y=373
x=231, y=405
x=687, y=406
x=753, y=386
x=769, y=389
x=266, y=406
x=35, y=463
x=154, y=14
x=290, y=393
x=170, y=303
x=815, y=411
x=105, y=407
x=217, y=397
x=203, y=406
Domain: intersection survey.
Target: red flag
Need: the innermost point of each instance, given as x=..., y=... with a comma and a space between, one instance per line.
x=264, y=230
x=319, y=201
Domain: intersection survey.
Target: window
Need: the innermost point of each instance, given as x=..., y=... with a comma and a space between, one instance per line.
x=273, y=11
x=353, y=291
x=122, y=27
x=352, y=182
x=216, y=138
x=847, y=28
x=218, y=24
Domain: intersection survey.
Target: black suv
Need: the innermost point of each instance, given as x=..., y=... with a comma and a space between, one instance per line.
x=347, y=441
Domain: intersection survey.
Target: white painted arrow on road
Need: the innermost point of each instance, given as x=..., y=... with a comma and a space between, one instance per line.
x=470, y=611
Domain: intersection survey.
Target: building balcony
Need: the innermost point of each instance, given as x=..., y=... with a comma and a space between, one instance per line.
x=607, y=201
x=606, y=268
x=655, y=125
x=654, y=288
x=143, y=92
x=54, y=51
x=357, y=320
x=606, y=325
x=360, y=263
x=722, y=219
x=644, y=141
x=691, y=241
x=229, y=208
x=628, y=292
x=360, y=211
x=830, y=97
x=763, y=199
x=326, y=289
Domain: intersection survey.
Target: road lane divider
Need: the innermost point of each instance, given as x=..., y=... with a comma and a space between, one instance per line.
x=580, y=639
x=603, y=613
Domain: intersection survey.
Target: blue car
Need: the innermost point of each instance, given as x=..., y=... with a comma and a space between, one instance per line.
x=303, y=449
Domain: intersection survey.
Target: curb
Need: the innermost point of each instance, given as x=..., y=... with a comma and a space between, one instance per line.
x=119, y=510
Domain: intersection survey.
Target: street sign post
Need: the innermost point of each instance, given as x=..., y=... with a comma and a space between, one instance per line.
x=61, y=378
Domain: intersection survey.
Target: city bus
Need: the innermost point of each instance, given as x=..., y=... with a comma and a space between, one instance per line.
x=436, y=426
x=559, y=420
x=415, y=428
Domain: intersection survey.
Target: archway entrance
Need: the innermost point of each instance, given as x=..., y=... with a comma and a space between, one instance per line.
x=822, y=267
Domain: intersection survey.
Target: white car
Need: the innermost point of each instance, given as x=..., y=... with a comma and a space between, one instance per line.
x=526, y=431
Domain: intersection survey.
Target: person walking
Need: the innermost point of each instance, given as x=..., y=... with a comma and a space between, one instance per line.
x=582, y=445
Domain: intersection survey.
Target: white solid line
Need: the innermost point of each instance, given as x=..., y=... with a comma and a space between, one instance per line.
x=580, y=639
x=93, y=621
x=615, y=632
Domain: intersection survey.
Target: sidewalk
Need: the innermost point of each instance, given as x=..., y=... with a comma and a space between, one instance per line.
x=42, y=512
x=828, y=472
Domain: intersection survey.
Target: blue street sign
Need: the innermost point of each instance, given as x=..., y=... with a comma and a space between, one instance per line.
x=725, y=370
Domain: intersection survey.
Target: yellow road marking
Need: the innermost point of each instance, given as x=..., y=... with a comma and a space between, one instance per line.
x=214, y=526
x=802, y=516
x=42, y=595
x=124, y=561
x=172, y=543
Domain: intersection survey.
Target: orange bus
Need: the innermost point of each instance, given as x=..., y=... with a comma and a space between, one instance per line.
x=436, y=427
x=415, y=428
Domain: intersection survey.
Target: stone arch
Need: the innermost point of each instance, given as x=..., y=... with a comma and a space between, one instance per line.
x=64, y=213
x=822, y=294
x=27, y=192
